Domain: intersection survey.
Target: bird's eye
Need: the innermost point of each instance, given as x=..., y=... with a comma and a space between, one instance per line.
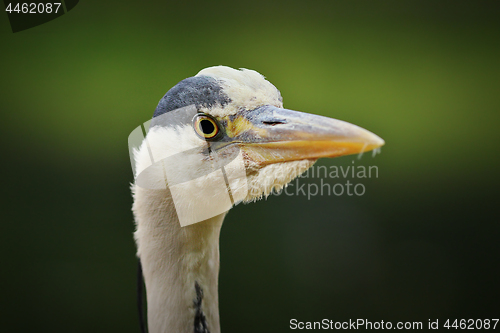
x=206, y=127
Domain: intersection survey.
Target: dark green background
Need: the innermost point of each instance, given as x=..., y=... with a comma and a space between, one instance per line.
x=423, y=243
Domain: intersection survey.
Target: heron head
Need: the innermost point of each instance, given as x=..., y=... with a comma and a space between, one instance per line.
x=240, y=113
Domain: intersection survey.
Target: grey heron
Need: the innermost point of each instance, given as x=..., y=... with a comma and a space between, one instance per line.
x=237, y=113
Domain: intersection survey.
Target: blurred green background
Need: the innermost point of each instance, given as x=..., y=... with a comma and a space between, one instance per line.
x=422, y=243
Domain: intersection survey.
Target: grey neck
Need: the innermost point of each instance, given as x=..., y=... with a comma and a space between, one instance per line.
x=180, y=267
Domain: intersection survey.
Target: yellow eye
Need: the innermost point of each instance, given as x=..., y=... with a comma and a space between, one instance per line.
x=205, y=127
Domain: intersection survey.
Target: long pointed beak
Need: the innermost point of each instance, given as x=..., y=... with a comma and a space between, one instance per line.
x=272, y=135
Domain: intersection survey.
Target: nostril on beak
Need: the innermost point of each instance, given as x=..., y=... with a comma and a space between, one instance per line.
x=273, y=123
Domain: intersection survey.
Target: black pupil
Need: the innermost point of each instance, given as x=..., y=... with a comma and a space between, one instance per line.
x=207, y=127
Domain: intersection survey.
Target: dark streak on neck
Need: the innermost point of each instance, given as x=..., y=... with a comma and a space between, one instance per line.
x=200, y=321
